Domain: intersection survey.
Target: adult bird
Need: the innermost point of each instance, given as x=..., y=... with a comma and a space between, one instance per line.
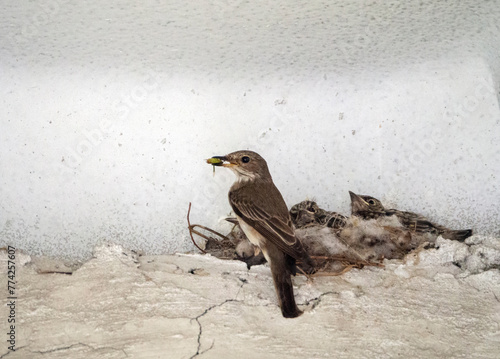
x=264, y=218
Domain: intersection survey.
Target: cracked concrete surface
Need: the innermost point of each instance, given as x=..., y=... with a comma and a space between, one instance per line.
x=116, y=305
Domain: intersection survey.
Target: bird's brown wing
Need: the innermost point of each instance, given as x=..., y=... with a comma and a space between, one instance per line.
x=416, y=222
x=270, y=218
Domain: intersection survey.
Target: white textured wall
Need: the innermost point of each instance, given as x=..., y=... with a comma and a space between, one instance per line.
x=108, y=111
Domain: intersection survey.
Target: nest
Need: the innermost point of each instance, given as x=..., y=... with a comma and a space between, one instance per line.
x=335, y=242
x=235, y=246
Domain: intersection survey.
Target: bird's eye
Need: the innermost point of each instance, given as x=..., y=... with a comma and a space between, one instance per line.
x=371, y=201
x=245, y=159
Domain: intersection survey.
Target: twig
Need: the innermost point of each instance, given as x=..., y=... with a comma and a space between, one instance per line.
x=207, y=229
x=349, y=261
x=331, y=274
x=191, y=229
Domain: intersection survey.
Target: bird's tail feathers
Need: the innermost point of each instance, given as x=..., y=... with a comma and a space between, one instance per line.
x=459, y=235
x=281, y=266
x=284, y=291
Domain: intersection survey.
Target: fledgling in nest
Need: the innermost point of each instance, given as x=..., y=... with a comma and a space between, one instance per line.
x=367, y=207
x=307, y=213
x=357, y=240
x=243, y=249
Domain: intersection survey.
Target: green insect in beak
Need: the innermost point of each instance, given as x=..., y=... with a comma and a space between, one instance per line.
x=215, y=161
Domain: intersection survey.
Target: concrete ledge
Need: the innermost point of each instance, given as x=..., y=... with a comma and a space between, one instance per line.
x=118, y=305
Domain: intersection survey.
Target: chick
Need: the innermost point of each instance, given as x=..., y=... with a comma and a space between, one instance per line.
x=307, y=213
x=245, y=251
x=330, y=235
x=368, y=207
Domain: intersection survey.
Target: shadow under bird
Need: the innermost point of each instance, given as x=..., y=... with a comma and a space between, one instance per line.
x=368, y=207
x=264, y=218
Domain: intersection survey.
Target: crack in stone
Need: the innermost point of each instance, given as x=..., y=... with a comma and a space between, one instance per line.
x=243, y=282
x=61, y=348
x=478, y=289
x=498, y=300
x=317, y=300
x=75, y=345
x=200, y=332
x=10, y=351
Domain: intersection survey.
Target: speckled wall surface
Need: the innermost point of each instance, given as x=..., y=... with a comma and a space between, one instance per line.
x=108, y=111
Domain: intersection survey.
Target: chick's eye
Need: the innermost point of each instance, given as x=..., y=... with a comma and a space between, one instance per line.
x=245, y=159
x=371, y=201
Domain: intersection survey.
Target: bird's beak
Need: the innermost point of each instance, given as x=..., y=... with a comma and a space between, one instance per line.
x=220, y=161
x=232, y=220
x=356, y=199
x=357, y=202
x=354, y=196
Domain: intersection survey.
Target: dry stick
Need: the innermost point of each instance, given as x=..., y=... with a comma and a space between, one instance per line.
x=344, y=261
x=207, y=229
x=332, y=274
x=190, y=227
x=351, y=262
x=192, y=230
